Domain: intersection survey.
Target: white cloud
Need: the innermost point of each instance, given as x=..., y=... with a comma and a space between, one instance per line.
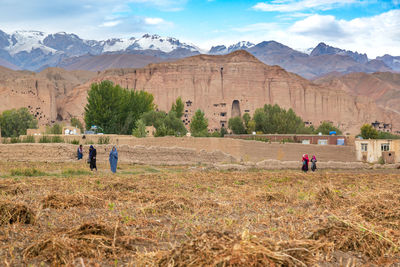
x=298, y=5
x=154, y=21
x=110, y=23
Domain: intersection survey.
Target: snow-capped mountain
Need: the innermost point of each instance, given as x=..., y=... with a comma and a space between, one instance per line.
x=222, y=49
x=34, y=50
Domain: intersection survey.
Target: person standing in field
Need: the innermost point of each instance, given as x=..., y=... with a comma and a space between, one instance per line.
x=313, y=163
x=92, y=158
x=305, y=161
x=113, y=158
x=80, y=152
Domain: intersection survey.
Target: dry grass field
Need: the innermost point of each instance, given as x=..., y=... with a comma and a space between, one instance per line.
x=61, y=214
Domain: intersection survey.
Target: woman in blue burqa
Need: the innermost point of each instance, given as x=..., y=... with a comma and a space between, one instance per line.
x=113, y=159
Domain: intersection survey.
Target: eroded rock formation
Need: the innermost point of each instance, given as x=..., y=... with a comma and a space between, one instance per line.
x=232, y=84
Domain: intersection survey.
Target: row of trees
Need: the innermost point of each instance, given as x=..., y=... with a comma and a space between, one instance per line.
x=369, y=132
x=272, y=119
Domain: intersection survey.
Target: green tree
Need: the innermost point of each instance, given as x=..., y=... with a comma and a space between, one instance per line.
x=273, y=119
x=115, y=109
x=15, y=122
x=251, y=126
x=199, y=124
x=178, y=107
x=55, y=129
x=140, y=130
x=327, y=127
x=75, y=122
x=154, y=118
x=246, y=118
x=369, y=132
x=236, y=125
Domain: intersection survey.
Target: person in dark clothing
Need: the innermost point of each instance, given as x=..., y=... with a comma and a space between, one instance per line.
x=80, y=152
x=313, y=163
x=92, y=158
x=305, y=163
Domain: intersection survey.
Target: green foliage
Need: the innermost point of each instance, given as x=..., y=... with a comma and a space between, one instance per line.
x=26, y=172
x=14, y=122
x=103, y=140
x=273, y=119
x=154, y=118
x=5, y=140
x=75, y=122
x=246, y=119
x=55, y=129
x=385, y=135
x=326, y=127
x=178, y=107
x=369, y=132
x=215, y=134
x=72, y=172
x=28, y=139
x=199, y=124
x=75, y=142
x=171, y=125
x=236, y=125
x=15, y=140
x=381, y=160
x=45, y=139
x=223, y=132
x=114, y=109
x=140, y=130
x=251, y=126
x=57, y=139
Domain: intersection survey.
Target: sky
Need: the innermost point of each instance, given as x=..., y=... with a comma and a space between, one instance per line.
x=365, y=26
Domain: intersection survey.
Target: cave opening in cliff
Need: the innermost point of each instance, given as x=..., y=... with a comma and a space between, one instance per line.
x=235, y=108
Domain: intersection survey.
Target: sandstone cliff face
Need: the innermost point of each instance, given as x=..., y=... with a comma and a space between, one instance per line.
x=224, y=86
x=42, y=93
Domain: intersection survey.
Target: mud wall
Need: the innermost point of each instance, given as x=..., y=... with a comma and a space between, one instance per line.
x=182, y=150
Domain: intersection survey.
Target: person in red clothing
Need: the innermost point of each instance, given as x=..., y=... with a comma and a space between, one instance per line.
x=305, y=161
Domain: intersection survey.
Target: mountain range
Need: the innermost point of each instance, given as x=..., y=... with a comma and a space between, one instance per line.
x=35, y=51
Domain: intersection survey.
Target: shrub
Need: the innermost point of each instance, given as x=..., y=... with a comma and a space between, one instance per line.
x=57, y=139
x=75, y=142
x=26, y=172
x=140, y=130
x=381, y=160
x=15, y=122
x=28, y=139
x=45, y=139
x=103, y=140
x=5, y=140
x=15, y=140
x=70, y=172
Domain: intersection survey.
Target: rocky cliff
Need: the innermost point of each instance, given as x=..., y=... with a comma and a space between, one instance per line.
x=229, y=85
x=42, y=93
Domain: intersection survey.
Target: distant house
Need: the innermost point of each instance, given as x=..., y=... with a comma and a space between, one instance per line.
x=381, y=126
x=371, y=150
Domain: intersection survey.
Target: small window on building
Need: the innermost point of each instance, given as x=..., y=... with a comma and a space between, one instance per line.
x=247, y=110
x=364, y=147
x=322, y=142
x=385, y=147
x=188, y=103
x=223, y=114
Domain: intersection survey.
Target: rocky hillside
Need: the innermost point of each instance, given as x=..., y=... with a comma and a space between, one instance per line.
x=382, y=87
x=223, y=86
x=229, y=85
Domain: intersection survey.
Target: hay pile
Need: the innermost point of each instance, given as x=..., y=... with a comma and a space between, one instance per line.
x=349, y=236
x=273, y=196
x=11, y=190
x=214, y=248
x=11, y=212
x=328, y=197
x=91, y=240
x=61, y=201
x=385, y=211
x=171, y=206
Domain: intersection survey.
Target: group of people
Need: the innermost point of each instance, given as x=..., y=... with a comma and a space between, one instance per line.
x=306, y=161
x=113, y=157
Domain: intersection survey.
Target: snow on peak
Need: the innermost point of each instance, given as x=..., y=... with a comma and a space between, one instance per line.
x=28, y=41
x=113, y=45
x=165, y=44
